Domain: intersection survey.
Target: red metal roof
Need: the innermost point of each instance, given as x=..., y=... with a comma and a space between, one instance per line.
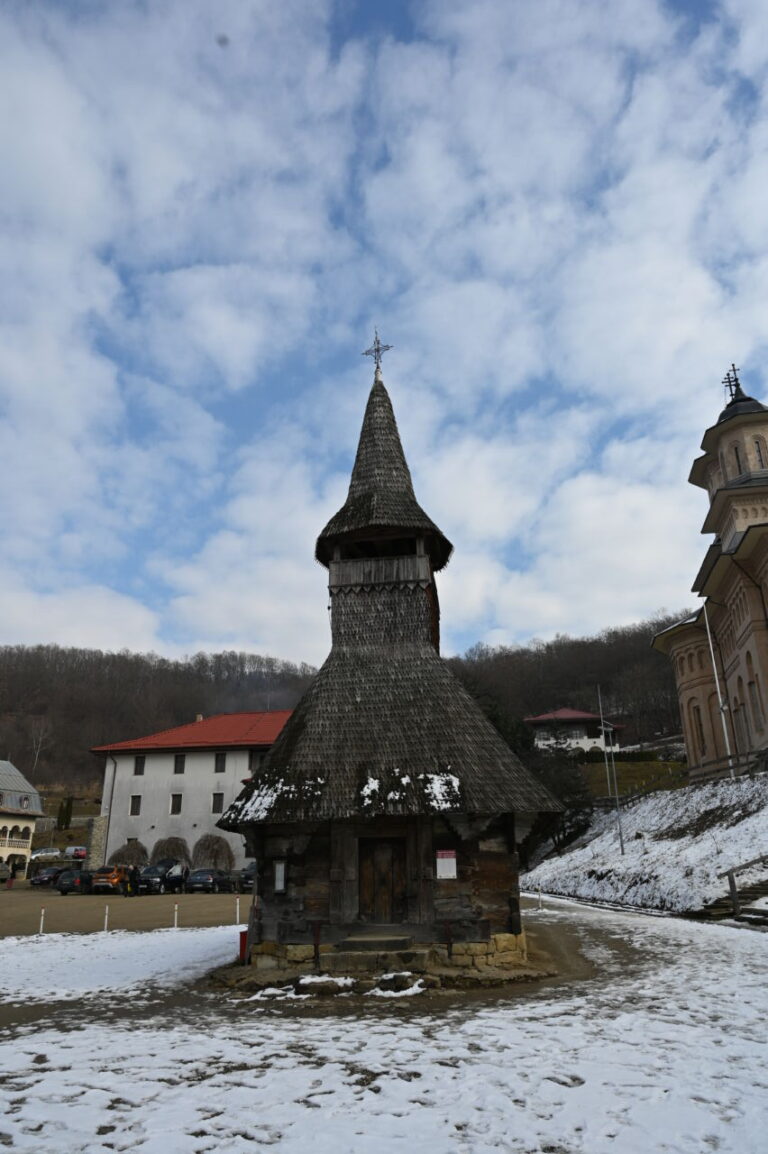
x=565, y=715
x=220, y=731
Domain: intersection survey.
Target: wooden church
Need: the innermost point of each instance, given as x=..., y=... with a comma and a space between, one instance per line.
x=388, y=799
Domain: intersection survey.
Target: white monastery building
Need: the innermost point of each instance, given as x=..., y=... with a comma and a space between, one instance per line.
x=572, y=729
x=179, y=782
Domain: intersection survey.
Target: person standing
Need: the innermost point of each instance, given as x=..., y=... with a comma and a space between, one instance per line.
x=12, y=875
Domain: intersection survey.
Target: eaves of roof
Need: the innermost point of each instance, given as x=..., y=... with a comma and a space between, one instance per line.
x=222, y=731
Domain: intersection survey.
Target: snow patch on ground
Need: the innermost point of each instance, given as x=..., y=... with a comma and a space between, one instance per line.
x=676, y=843
x=663, y=1050
x=61, y=967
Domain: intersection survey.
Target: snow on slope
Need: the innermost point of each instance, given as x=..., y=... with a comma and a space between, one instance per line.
x=676, y=843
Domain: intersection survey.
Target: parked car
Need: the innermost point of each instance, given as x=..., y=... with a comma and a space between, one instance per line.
x=245, y=878
x=78, y=852
x=47, y=876
x=74, y=882
x=210, y=881
x=113, y=879
x=47, y=851
x=158, y=879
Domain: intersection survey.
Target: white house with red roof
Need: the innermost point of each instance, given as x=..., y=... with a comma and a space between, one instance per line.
x=572, y=729
x=177, y=783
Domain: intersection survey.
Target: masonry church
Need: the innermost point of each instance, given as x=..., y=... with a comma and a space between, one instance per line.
x=720, y=652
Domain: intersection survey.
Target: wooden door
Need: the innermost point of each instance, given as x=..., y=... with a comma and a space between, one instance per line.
x=382, y=880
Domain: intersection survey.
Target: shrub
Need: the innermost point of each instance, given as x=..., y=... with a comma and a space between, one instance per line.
x=171, y=847
x=133, y=853
x=212, y=850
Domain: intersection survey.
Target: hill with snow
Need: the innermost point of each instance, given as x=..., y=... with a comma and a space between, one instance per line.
x=676, y=843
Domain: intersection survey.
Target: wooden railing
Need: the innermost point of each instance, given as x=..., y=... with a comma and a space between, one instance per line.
x=731, y=875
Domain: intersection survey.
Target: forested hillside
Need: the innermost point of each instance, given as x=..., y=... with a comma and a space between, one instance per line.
x=637, y=683
x=56, y=703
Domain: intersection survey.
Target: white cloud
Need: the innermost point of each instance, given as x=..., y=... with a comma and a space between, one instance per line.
x=553, y=211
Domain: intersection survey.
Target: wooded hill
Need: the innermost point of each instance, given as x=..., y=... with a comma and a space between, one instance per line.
x=636, y=682
x=56, y=703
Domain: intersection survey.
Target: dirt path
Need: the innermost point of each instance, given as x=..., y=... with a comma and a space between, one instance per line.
x=84, y=913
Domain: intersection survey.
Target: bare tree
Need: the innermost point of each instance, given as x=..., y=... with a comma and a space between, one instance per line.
x=133, y=853
x=212, y=850
x=171, y=847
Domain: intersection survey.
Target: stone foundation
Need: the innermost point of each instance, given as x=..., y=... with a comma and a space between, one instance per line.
x=500, y=952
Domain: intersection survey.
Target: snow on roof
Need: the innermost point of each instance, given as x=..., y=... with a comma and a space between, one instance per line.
x=219, y=731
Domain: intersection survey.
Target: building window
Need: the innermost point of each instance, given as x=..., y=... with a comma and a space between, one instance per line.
x=254, y=760
x=280, y=875
x=139, y=762
x=220, y=762
x=759, y=454
x=175, y=803
x=135, y=805
x=756, y=706
x=737, y=459
x=217, y=803
x=178, y=762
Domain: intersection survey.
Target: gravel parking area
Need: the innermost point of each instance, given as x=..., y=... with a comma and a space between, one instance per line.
x=84, y=913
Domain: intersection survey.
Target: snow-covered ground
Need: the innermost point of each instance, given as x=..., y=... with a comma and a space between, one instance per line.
x=61, y=967
x=676, y=843
x=663, y=1049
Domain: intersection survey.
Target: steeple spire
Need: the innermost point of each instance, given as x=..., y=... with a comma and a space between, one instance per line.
x=381, y=502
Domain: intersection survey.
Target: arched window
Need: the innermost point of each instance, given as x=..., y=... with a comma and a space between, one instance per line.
x=761, y=455
x=755, y=696
x=737, y=459
x=696, y=730
x=738, y=727
x=26, y=832
x=744, y=715
x=701, y=659
x=690, y=663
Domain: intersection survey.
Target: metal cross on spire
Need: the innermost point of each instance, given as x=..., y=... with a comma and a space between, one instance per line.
x=377, y=351
x=731, y=381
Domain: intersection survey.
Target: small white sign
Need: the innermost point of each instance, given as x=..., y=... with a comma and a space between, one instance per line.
x=446, y=863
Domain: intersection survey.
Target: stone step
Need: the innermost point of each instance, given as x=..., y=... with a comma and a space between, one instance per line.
x=754, y=917
x=377, y=943
x=342, y=962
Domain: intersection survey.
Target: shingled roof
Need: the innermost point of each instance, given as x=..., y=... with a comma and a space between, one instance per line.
x=385, y=728
x=384, y=731
x=381, y=496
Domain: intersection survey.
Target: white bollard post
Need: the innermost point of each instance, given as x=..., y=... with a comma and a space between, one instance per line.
x=237, y=910
x=106, y=918
x=176, y=916
x=539, y=897
x=42, y=919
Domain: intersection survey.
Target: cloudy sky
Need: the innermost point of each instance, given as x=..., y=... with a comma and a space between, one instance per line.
x=555, y=211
